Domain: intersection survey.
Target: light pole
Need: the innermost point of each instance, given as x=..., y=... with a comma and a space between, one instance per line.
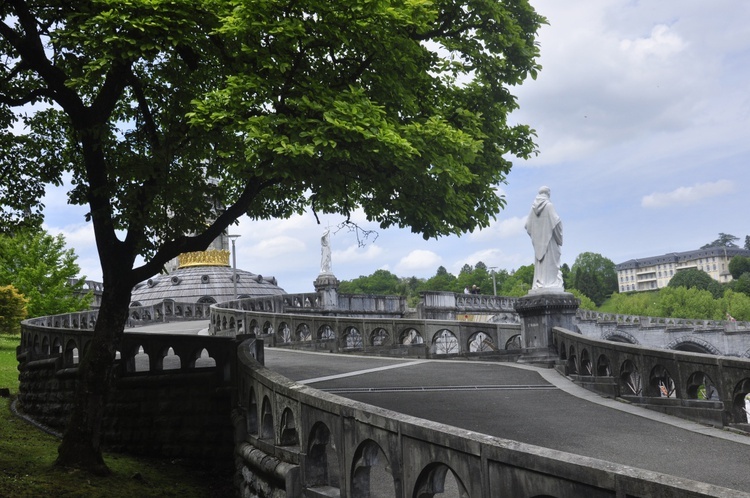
x=494, y=284
x=234, y=264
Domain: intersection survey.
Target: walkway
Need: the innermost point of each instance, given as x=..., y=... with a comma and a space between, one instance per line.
x=530, y=405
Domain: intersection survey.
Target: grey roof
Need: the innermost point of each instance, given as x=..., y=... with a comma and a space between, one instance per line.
x=202, y=284
x=680, y=257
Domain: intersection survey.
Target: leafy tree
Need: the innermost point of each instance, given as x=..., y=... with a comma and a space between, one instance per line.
x=595, y=276
x=747, y=242
x=742, y=284
x=518, y=282
x=43, y=270
x=724, y=240
x=160, y=111
x=474, y=275
x=693, y=278
x=380, y=282
x=739, y=265
x=586, y=303
x=567, y=280
x=12, y=309
x=441, y=281
x=736, y=304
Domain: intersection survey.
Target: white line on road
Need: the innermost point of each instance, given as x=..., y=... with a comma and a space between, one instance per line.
x=358, y=372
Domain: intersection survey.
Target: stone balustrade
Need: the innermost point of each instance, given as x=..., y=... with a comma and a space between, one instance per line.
x=706, y=388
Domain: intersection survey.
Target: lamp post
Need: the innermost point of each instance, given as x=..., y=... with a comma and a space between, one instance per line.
x=234, y=264
x=494, y=284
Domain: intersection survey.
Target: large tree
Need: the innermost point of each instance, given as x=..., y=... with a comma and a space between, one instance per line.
x=43, y=270
x=595, y=276
x=158, y=112
x=724, y=240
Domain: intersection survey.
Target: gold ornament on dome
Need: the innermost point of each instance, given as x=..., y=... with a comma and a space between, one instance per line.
x=212, y=257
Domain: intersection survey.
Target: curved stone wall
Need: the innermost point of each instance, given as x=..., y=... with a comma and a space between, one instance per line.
x=706, y=388
x=293, y=440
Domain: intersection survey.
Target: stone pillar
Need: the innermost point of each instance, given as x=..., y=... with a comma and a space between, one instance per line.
x=326, y=285
x=540, y=312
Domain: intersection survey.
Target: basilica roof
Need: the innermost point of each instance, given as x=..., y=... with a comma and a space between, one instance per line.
x=205, y=279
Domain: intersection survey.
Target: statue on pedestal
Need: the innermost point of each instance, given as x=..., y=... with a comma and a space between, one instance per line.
x=545, y=229
x=325, y=252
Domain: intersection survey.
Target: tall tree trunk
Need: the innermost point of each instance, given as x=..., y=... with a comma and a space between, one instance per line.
x=81, y=444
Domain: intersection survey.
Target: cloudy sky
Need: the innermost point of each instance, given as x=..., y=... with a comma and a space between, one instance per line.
x=642, y=111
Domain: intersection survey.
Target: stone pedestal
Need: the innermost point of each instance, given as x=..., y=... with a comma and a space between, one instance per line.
x=540, y=312
x=326, y=285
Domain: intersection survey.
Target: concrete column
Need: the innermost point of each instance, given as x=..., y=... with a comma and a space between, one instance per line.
x=326, y=285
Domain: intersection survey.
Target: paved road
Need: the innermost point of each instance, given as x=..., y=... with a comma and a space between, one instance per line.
x=530, y=405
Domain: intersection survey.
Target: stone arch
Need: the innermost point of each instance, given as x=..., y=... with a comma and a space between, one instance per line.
x=284, y=334
x=45, y=346
x=352, y=338
x=168, y=360
x=251, y=417
x=410, y=337
x=56, y=346
x=369, y=466
x=563, y=351
x=603, y=367
x=288, y=433
x=620, y=336
x=267, y=328
x=303, y=332
x=35, y=346
x=700, y=386
x=572, y=361
x=631, y=382
x=206, y=299
x=514, y=342
x=201, y=359
x=661, y=383
x=480, y=342
x=71, y=353
x=266, y=419
x=254, y=328
x=322, y=462
x=741, y=402
x=438, y=478
x=326, y=333
x=586, y=366
x=693, y=344
x=445, y=342
x=379, y=337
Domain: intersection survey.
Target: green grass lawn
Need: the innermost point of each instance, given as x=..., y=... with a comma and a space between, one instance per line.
x=27, y=456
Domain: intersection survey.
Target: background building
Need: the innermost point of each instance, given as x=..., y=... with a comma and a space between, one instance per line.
x=656, y=272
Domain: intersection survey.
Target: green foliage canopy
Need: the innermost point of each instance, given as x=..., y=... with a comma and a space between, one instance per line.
x=12, y=309
x=175, y=118
x=724, y=240
x=693, y=278
x=43, y=270
x=739, y=265
x=595, y=276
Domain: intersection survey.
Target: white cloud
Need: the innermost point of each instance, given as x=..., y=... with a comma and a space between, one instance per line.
x=418, y=260
x=661, y=44
x=354, y=253
x=272, y=248
x=687, y=195
x=503, y=229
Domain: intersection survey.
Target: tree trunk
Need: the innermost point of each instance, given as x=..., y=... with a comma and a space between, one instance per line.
x=81, y=444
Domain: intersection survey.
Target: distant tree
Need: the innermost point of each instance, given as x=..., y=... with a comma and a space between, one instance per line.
x=747, y=242
x=736, y=304
x=595, y=276
x=741, y=284
x=43, y=270
x=12, y=309
x=567, y=280
x=381, y=282
x=518, y=282
x=441, y=281
x=696, y=279
x=586, y=303
x=724, y=240
x=739, y=265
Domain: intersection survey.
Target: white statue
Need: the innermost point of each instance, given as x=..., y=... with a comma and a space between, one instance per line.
x=325, y=252
x=545, y=228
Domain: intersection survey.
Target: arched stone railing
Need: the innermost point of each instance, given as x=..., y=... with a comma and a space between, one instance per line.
x=392, y=336
x=172, y=394
x=707, y=388
x=293, y=440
